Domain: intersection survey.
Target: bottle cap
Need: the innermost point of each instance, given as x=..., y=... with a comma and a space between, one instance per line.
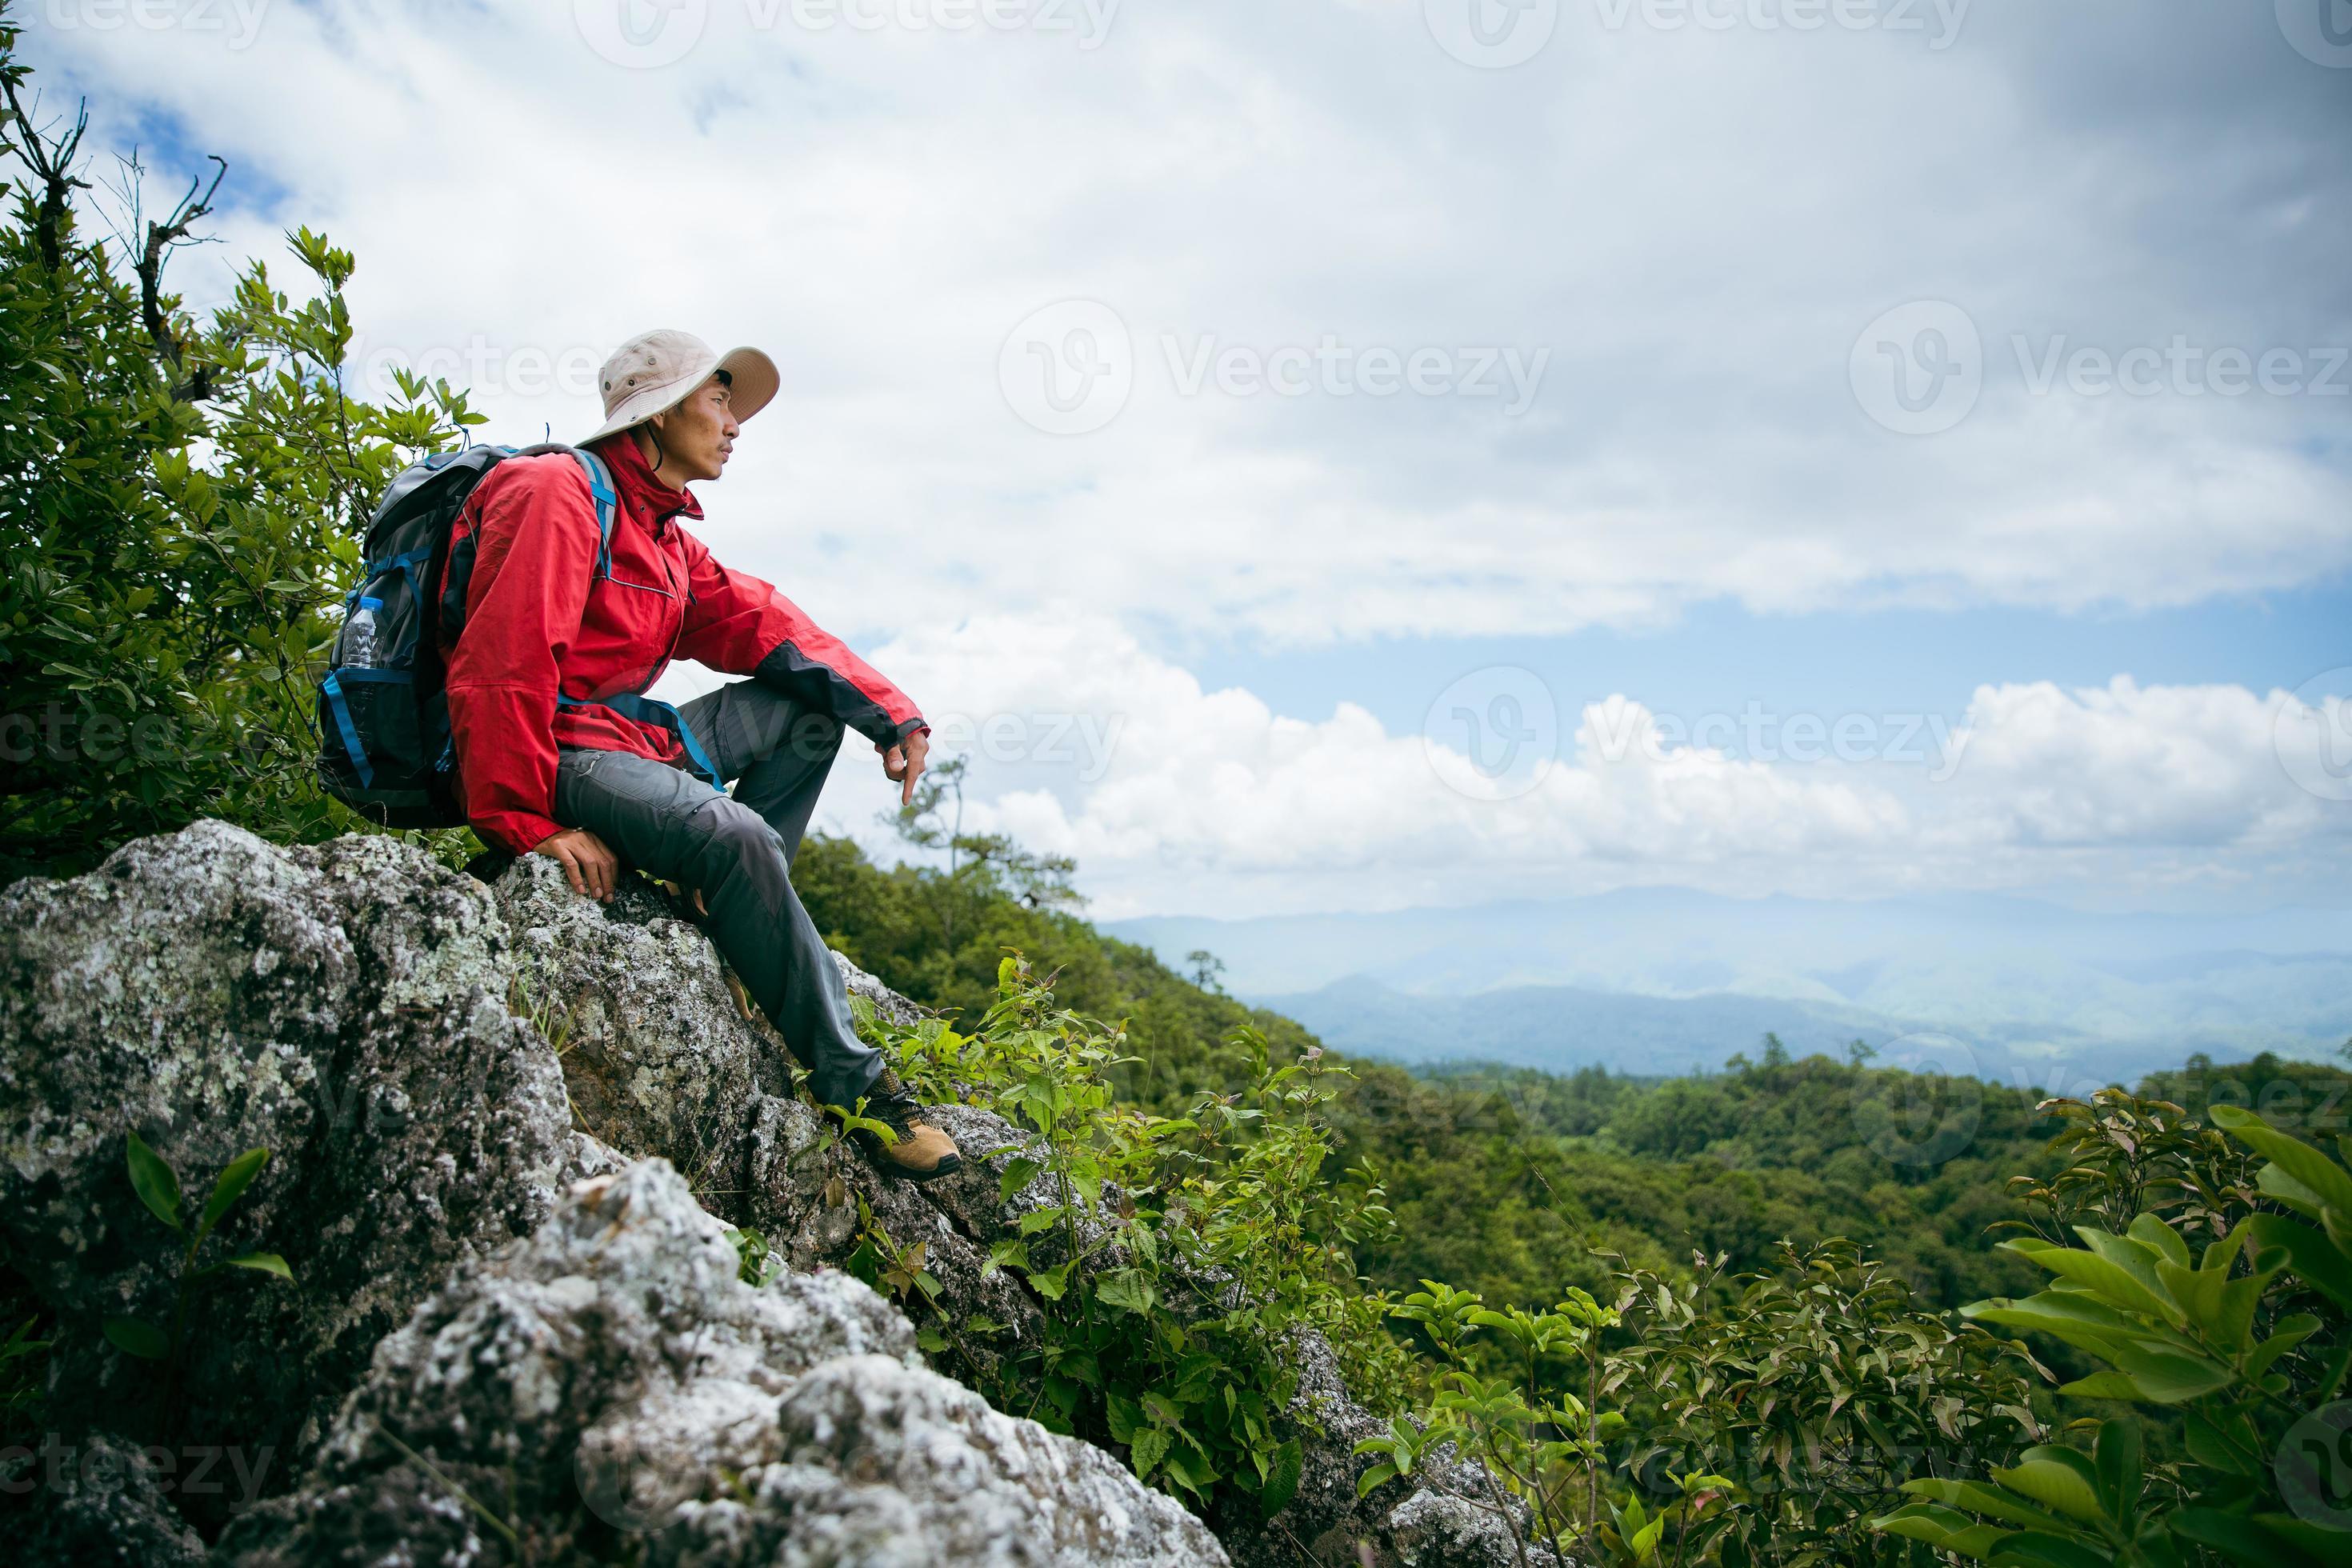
x=368, y=603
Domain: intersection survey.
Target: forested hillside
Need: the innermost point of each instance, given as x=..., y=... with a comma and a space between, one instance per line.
x=1506, y=1180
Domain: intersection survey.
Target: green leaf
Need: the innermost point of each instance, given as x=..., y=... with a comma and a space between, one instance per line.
x=234, y=1179
x=1128, y=1289
x=134, y=1338
x=1052, y=1283
x=153, y=1179
x=1944, y=1530
x=2208, y=1447
x=1977, y=1498
x=1018, y=1174
x=2033, y=1549
x=1378, y=1476
x=2115, y=1455
x=2054, y=1483
x=1282, y=1480
x=262, y=1262
x=2112, y=1282
x=2314, y=1259
x=2160, y=1238
x=2306, y=1164
x=1150, y=1447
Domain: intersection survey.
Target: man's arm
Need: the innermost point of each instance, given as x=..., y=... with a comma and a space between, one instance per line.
x=536, y=538
x=742, y=625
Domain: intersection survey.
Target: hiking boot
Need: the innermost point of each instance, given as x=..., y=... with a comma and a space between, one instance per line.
x=922, y=1151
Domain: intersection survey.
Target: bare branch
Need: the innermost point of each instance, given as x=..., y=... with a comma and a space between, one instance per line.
x=161, y=237
x=52, y=164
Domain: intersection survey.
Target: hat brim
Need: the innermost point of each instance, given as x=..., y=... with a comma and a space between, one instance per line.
x=753, y=381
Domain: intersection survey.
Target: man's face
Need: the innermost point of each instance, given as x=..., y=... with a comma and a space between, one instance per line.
x=697, y=436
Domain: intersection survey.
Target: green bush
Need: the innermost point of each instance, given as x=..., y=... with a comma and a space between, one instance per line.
x=1173, y=1257
x=2216, y=1295
x=179, y=509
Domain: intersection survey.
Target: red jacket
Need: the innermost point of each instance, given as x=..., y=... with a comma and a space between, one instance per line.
x=537, y=620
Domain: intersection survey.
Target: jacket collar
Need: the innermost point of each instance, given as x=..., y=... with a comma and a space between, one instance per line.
x=653, y=502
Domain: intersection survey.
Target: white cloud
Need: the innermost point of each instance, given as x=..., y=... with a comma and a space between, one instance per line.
x=1696, y=227
x=1205, y=801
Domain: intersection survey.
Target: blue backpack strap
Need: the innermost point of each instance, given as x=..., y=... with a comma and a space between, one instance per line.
x=332, y=689
x=647, y=710
x=608, y=506
x=410, y=566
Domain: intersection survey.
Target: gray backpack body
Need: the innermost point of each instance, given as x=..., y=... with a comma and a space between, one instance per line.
x=384, y=725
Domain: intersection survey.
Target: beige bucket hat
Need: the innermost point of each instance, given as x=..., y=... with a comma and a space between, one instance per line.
x=654, y=371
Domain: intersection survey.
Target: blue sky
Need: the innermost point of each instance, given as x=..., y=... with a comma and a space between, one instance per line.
x=1719, y=656
x=1311, y=458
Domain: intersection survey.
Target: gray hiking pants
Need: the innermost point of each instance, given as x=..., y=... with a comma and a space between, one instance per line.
x=739, y=852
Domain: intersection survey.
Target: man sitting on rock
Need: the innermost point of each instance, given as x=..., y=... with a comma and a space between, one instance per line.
x=558, y=753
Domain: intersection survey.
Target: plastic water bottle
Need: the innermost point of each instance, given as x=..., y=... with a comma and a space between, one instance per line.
x=359, y=636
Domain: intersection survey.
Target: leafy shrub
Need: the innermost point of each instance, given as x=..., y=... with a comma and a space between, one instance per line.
x=1749, y=1420
x=2243, y=1337
x=179, y=509
x=1173, y=1257
x=158, y=1186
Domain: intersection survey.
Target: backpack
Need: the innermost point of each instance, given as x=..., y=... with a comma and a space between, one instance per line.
x=384, y=748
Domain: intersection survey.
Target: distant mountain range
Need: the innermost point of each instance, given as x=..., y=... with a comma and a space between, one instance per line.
x=1667, y=981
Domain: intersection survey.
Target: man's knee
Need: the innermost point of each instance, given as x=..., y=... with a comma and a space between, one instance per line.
x=813, y=737
x=733, y=838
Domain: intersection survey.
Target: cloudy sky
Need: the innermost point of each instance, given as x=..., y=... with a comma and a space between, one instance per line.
x=1368, y=453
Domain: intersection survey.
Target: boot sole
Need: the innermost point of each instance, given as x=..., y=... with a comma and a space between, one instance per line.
x=948, y=1166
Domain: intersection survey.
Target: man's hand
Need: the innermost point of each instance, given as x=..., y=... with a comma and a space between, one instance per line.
x=593, y=870
x=904, y=763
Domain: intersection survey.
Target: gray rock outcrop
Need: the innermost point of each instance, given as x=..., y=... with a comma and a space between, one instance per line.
x=345, y=1007
x=468, y=1362
x=610, y=1388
